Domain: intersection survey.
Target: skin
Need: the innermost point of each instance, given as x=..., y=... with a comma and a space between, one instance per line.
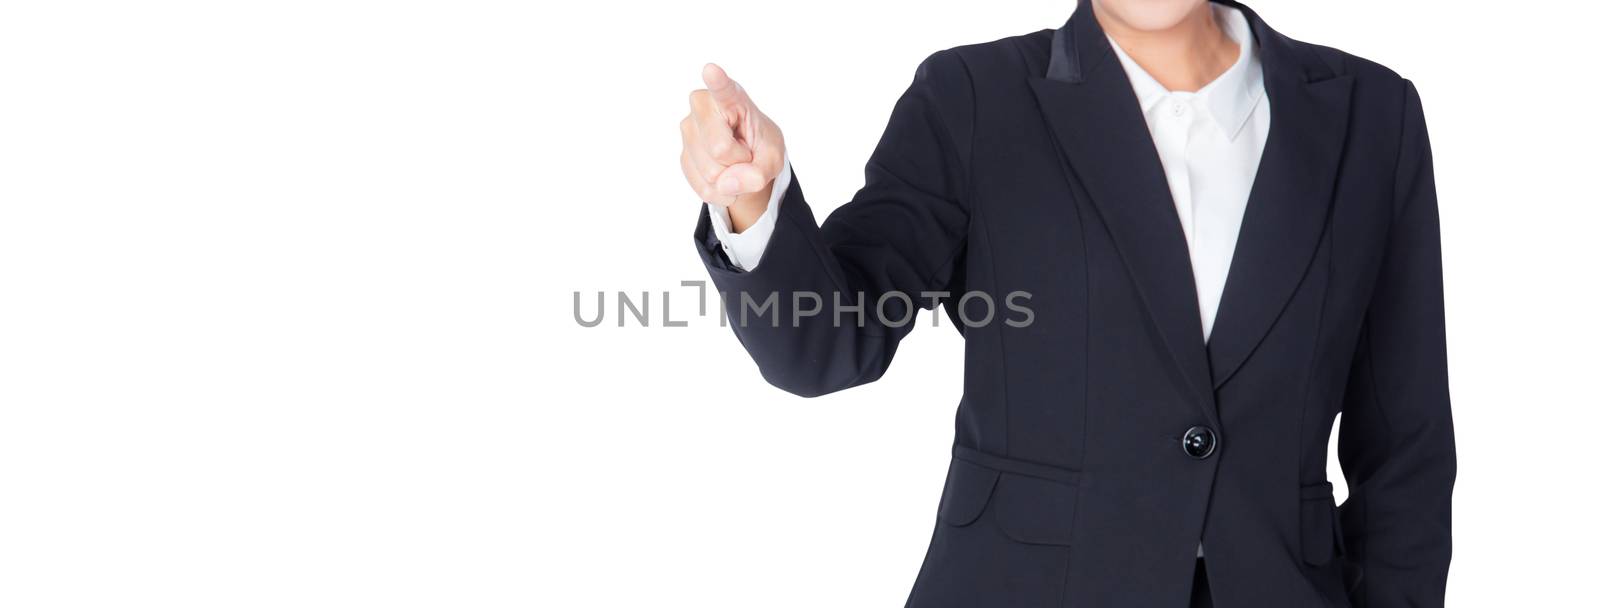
x=732, y=151
x=1178, y=42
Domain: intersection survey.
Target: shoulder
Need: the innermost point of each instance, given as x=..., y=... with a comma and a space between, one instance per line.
x=1012, y=56
x=1373, y=82
x=1026, y=52
x=955, y=83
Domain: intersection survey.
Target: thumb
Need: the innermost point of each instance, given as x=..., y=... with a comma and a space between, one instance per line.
x=753, y=176
x=724, y=90
x=743, y=178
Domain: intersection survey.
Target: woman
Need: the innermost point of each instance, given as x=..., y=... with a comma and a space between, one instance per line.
x=1223, y=237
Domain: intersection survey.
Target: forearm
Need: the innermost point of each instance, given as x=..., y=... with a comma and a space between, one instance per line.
x=828, y=303
x=810, y=328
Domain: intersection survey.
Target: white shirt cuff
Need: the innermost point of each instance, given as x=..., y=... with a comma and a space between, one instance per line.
x=744, y=249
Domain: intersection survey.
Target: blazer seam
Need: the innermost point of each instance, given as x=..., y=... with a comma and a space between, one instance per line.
x=1383, y=417
x=980, y=221
x=966, y=161
x=963, y=168
x=1311, y=367
x=1398, y=206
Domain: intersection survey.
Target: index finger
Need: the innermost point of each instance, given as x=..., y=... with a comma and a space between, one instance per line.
x=723, y=89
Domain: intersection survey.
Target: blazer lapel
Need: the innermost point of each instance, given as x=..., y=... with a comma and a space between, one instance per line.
x=1289, y=202
x=1095, y=118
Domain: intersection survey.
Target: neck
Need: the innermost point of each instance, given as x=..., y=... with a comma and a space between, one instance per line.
x=1184, y=57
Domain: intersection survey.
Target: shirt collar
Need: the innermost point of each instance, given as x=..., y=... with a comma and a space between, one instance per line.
x=1231, y=97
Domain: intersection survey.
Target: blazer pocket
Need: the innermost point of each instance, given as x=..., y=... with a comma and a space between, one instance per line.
x=966, y=491
x=1002, y=534
x=1035, y=510
x=1031, y=503
x=1320, y=538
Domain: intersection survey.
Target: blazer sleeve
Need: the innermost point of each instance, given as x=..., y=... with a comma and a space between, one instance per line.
x=827, y=305
x=1397, y=440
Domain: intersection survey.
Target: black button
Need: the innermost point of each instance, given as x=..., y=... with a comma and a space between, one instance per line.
x=1199, y=442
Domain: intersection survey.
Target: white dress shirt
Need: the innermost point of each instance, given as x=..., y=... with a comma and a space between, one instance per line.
x=744, y=249
x=1209, y=142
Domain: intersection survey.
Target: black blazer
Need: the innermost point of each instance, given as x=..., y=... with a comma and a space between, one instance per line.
x=1096, y=446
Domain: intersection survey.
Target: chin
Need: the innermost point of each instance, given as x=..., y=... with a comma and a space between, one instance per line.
x=1150, y=15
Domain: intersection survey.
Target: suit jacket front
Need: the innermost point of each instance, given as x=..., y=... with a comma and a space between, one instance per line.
x=1025, y=165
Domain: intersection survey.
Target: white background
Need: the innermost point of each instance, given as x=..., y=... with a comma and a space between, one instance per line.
x=286, y=302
